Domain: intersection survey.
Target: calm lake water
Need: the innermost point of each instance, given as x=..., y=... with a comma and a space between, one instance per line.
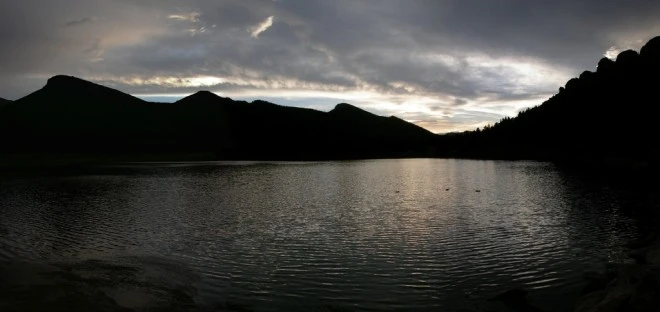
x=404, y=235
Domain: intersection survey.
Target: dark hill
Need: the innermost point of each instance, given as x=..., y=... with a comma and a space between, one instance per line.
x=4, y=102
x=401, y=134
x=607, y=114
x=70, y=115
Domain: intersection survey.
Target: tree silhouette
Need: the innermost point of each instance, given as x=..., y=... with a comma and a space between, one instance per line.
x=607, y=114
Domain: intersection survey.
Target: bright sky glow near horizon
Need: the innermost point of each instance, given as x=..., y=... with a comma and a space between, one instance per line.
x=446, y=65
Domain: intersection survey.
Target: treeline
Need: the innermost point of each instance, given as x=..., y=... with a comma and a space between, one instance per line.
x=607, y=114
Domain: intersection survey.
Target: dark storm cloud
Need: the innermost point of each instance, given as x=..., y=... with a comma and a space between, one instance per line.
x=407, y=57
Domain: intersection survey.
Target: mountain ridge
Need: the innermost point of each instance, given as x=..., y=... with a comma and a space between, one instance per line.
x=71, y=115
x=606, y=114
x=200, y=96
x=69, y=86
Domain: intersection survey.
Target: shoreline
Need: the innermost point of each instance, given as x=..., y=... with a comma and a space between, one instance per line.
x=630, y=287
x=621, y=287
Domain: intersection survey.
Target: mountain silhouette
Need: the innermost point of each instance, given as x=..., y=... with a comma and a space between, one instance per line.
x=607, y=114
x=602, y=115
x=71, y=115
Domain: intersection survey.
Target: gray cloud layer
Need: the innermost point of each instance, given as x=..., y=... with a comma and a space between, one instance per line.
x=447, y=65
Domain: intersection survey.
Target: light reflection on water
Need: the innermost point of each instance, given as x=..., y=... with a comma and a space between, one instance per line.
x=362, y=235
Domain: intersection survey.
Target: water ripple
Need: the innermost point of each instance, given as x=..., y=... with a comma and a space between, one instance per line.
x=372, y=235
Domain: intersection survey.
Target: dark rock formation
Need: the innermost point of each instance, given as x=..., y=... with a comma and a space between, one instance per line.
x=627, y=59
x=634, y=287
x=605, y=66
x=651, y=50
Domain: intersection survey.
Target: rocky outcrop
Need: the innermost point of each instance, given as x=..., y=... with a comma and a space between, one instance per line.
x=634, y=287
x=650, y=52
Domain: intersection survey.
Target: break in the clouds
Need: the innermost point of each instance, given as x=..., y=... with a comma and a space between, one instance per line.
x=189, y=17
x=444, y=64
x=261, y=27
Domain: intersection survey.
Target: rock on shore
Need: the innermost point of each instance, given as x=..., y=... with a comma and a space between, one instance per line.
x=633, y=287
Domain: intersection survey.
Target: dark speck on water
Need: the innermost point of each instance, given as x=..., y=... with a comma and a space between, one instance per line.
x=286, y=236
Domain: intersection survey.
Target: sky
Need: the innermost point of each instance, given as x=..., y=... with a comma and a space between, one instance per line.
x=446, y=65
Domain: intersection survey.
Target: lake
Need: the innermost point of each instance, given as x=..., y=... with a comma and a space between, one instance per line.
x=396, y=235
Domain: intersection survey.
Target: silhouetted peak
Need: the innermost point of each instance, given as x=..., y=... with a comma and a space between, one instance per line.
x=201, y=97
x=605, y=65
x=262, y=102
x=66, y=81
x=344, y=108
x=68, y=87
x=651, y=50
x=627, y=58
x=63, y=84
x=205, y=95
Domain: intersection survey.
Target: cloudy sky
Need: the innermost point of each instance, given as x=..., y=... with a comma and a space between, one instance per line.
x=446, y=65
